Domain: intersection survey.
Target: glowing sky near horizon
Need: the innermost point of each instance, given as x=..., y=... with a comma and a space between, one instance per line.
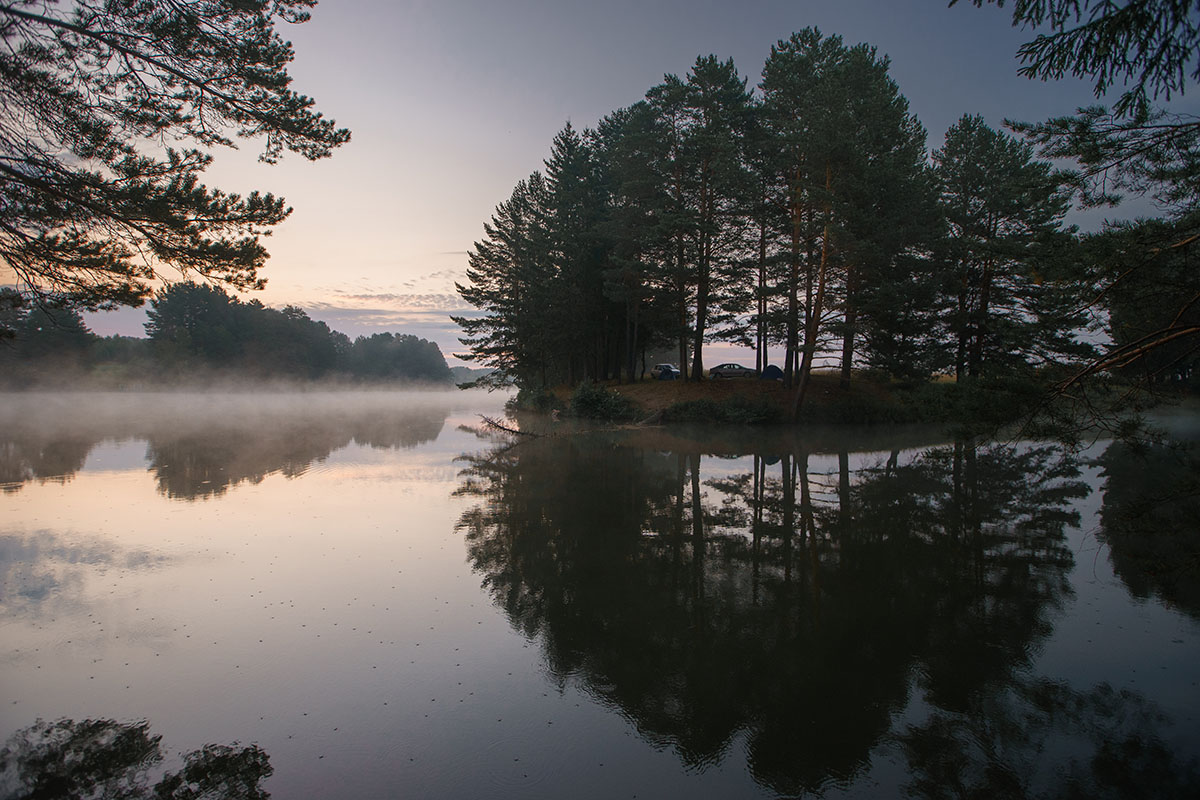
x=451, y=102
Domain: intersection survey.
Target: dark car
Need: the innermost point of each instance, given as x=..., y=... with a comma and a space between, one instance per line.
x=664, y=372
x=732, y=371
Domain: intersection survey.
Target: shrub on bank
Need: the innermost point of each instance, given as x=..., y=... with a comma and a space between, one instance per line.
x=984, y=403
x=593, y=401
x=736, y=410
x=526, y=399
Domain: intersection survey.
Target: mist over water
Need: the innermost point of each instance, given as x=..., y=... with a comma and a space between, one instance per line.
x=200, y=443
x=99, y=414
x=368, y=594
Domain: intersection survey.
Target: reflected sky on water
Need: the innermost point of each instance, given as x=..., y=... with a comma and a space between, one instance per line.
x=387, y=599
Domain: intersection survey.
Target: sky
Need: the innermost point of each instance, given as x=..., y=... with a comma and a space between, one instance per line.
x=451, y=102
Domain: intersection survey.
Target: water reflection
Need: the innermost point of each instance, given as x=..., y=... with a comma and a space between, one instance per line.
x=1150, y=520
x=792, y=601
x=206, y=463
x=106, y=758
x=46, y=573
x=26, y=457
x=1101, y=743
x=217, y=443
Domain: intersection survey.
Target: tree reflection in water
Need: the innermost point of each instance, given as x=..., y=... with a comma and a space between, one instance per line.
x=201, y=456
x=104, y=758
x=1037, y=738
x=1151, y=520
x=206, y=463
x=792, y=606
x=26, y=457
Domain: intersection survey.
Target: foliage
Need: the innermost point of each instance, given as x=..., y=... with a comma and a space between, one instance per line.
x=48, y=332
x=197, y=329
x=642, y=233
x=192, y=323
x=1155, y=338
x=508, y=278
x=1149, y=152
x=1009, y=302
x=533, y=399
x=1149, y=46
x=12, y=311
x=92, y=205
x=712, y=114
x=594, y=401
x=853, y=186
x=903, y=335
x=105, y=758
x=403, y=357
x=736, y=410
x=808, y=216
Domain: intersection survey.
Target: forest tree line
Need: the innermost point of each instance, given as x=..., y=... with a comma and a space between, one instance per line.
x=807, y=219
x=194, y=327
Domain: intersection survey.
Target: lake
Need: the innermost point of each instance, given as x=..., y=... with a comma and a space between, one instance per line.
x=372, y=595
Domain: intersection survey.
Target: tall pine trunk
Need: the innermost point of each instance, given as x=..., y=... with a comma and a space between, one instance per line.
x=703, y=277
x=848, y=345
x=960, y=355
x=813, y=323
x=631, y=340
x=980, y=322
x=793, y=312
x=851, y=323
x=760, y=308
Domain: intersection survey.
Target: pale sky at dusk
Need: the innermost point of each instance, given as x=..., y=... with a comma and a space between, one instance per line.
x=451, y=102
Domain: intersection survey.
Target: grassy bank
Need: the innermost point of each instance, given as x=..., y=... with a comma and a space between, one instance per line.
x=865, y=401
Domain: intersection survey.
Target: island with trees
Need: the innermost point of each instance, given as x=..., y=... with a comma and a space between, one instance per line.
x=806, y=219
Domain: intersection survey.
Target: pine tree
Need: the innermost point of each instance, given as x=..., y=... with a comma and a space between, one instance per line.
x=676, y=213
x=851, y=158
x=886, y=202
x=1149, y=49
x=1147, y=46
x=631, y=154
x=1004, y=210
x=1152, y=298
x=92, y=206
x=721, y=109
x=509, y=280
x=577, y=316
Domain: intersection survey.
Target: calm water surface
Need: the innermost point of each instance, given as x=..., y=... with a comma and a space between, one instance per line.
x=378, y=599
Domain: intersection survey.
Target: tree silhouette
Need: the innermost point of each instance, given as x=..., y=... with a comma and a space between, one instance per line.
x=788, y=605
x=1148, y=520
x=208, y=454
x=103, y=758
x=93, y=205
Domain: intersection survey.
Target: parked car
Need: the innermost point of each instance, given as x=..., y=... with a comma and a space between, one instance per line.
x=664, y=372
x=732, y=371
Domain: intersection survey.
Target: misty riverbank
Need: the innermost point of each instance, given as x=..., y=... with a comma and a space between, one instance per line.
x=866, y=400
x=367, y=585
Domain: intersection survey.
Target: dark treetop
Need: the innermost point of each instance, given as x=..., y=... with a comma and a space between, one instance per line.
x=96, y=195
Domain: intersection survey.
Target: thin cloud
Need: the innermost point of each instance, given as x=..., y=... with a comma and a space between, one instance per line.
x=440, y=301
x=433, y=325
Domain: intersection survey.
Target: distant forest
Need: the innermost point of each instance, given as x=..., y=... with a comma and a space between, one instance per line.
x=807, y=220
x=198, y=330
